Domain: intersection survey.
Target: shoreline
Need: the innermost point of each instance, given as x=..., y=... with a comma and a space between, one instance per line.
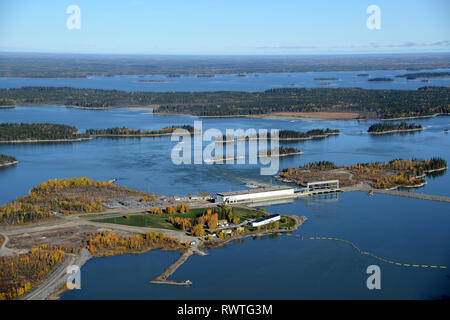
x=280, y=139
x=41, y=141
x=7, y=164
x=299, y=220
x=396, y=131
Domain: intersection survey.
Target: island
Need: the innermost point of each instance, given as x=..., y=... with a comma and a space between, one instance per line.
x=7, y=160
x=379, y=175
x=80, y=218
x=125, y=132
x=387, y=128
x=47, y=132
x=326, y=79
x=285, y=135
x=381, y=79
x=418, y=75
x=39, y=132
x=367, y=104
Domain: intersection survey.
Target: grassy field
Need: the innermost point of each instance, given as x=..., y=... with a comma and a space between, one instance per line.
x=243, y=213
x=161, y=221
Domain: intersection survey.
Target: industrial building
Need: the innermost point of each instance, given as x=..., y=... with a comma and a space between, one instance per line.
x=254, y=195
x=265, y=220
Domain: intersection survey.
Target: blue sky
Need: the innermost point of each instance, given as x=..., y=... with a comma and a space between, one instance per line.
x=224, y=26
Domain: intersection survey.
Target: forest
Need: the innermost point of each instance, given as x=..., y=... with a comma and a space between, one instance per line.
x=37, y=131
x=387, y=127
x=383, y=104
x=20, y=273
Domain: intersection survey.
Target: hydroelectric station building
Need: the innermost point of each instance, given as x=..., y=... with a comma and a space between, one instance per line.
x=256, y=195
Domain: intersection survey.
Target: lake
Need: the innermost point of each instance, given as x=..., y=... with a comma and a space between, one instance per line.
x=293, y=267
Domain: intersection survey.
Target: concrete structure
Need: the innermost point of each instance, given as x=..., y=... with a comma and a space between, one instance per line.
x=254, y=195
x=265, y=220
x=329, y=184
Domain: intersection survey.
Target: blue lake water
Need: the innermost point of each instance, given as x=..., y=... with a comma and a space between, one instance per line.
x=231, y=82
x=399, y=229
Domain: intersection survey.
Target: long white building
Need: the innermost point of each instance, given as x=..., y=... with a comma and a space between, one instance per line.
x=254, y=195
x=265, y=220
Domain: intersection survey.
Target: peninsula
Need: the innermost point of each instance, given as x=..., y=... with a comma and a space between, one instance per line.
x=379, y=175
x=368, y=104
x=7, y=160
x=71, y=220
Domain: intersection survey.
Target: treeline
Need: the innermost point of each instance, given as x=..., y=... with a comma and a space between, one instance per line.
x=383, y=127
x=125, y=131
x=380, y=103
x=37, y=131
x=4, y=159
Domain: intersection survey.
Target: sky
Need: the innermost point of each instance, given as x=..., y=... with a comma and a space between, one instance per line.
x=224, y=27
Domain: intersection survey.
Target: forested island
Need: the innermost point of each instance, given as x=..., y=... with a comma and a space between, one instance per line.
x=7, y=160
x=379, y=175
x=286, y=135
x=38, y=132
x=311, y=134
x=124, y=132
x=326, y=79
x=418, y=75
x=48, y=132
x=381, y=79
x=384, y=128
x=383, y=104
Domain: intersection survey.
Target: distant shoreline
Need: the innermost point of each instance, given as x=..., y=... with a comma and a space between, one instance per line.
x=54, y=140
